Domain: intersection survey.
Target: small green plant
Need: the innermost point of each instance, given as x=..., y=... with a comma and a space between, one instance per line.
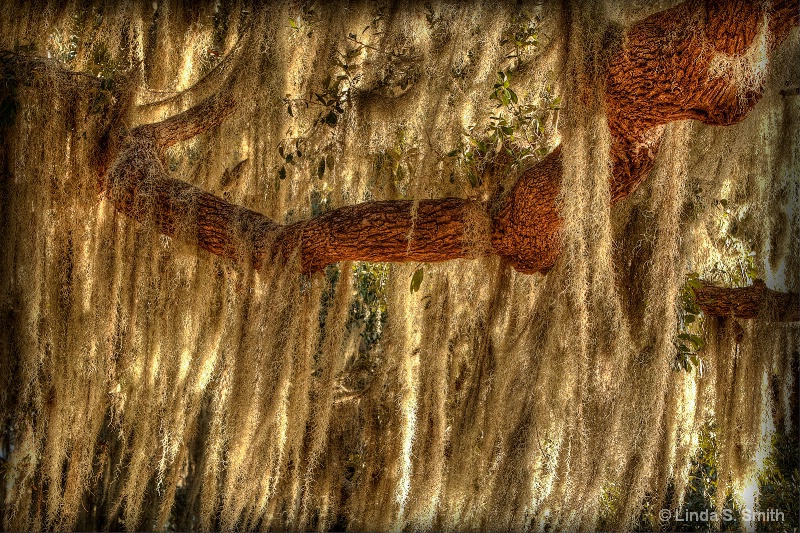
x=329, y=102
x=737, y=266
x=306, y=21
x=521, y=35
x=689, y=344
x=369, y=305
x=515, y=128
x=701, y=491
x=779, y=482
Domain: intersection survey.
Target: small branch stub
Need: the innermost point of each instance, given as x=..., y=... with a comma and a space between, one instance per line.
x=756, y=301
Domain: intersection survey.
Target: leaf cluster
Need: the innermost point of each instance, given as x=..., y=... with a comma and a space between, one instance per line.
x=308, y=18
x=779, y=482
x=688, y=343
x=521, y=35
x=737, y=266
x=369, y=306
x=516, y=127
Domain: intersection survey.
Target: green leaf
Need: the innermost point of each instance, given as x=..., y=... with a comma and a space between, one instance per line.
x=513, y=96
x=416, y=279
x=695, y=340
x=293, y=24
x=332, y=118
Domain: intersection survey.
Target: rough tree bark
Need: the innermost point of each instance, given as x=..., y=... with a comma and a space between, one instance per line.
x=659, y=75
x=748, y=302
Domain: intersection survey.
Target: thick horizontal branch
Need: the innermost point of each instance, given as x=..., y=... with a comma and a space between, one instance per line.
x=755, y=301
x=431, y=231
x=436, y=230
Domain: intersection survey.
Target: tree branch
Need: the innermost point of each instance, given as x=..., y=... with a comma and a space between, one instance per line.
x=194, y=121
x=439, y=230
x=662, y=73
x=748, y=302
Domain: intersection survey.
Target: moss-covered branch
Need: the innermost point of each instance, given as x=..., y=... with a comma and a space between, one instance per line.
x=662, y=73
x=748, y=302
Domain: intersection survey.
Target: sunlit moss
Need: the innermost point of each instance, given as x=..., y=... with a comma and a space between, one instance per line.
x=147, y=385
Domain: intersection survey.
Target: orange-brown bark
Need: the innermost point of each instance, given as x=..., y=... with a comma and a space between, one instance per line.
x=660, y=74
x=388, y=231
x=748, y=302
